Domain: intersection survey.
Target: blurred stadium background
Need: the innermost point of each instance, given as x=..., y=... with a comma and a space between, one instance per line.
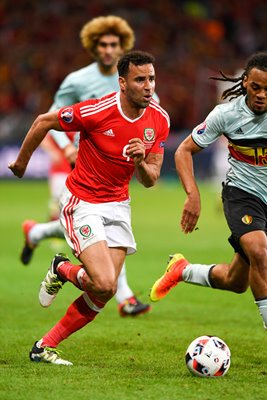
x=192, y=40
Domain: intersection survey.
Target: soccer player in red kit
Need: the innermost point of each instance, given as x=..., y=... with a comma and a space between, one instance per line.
x=121, y=134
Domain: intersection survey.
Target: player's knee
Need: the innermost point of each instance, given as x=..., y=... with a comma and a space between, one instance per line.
x=258, y=257
x=105, y=287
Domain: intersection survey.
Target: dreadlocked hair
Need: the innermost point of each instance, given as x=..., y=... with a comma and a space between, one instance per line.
x=234, y=91
x=257, y=60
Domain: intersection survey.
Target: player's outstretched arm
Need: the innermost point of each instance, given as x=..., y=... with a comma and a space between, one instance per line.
x=185, y=171
x=34, y=137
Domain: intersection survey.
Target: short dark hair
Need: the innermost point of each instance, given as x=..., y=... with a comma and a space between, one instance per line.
x=136, y=57
x=257, y=60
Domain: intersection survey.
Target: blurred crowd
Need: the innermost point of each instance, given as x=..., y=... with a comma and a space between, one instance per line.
x=192, y=40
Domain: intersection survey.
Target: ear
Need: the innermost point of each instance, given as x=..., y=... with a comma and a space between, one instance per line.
x=122, y=83
x=245, y=81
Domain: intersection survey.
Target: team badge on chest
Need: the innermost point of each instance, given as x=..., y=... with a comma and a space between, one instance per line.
x=149, y=137
x=149, y=134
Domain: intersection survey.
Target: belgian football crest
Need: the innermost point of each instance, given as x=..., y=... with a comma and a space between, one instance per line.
x=247, y=219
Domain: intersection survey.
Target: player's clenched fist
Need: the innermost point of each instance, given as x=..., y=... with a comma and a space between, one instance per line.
x=18, y=170
x=136, y=150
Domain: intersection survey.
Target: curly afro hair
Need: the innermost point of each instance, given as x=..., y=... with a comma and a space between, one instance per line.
x=104, y=25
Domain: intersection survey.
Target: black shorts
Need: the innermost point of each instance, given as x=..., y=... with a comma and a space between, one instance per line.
x=244, y=213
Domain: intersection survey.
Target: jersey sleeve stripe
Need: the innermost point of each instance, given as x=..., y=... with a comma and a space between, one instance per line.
x=86, y=113
x=99, y=104
x=157, y=107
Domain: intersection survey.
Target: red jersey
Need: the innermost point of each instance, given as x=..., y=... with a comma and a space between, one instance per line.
x=61, y=165
x=103, y=170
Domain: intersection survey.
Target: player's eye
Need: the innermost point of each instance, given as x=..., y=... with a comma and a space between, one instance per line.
x=255, y=87
x=105, y=45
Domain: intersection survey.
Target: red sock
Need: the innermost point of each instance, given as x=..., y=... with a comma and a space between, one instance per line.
x=72, y=273
x=82, y=311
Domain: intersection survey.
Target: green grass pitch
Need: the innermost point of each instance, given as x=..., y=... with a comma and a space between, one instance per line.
x=127, y=358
